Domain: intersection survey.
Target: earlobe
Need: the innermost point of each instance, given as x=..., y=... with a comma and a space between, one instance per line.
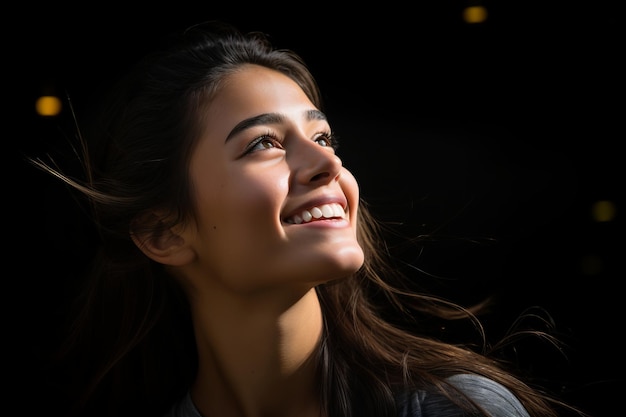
x=160, y=243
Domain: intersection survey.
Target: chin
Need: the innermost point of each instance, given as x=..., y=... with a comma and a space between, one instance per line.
x=345, y=261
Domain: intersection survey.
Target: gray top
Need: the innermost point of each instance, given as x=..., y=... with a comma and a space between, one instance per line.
x=497, y=400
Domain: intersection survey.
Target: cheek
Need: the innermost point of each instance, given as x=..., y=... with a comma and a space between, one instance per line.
x=238, y=217
x=243, y=198
x=258, y=190
x=350, y=187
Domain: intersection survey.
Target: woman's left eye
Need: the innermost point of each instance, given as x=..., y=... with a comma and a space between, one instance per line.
x=327, y=139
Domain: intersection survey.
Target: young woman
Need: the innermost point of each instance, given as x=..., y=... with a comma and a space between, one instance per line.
x=238, y=272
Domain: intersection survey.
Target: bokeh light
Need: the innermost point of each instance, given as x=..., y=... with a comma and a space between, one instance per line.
x=474, y=14
x=603, y=211
x=48, y=106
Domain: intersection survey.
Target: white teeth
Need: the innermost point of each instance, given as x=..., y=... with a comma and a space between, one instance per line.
x=316, y=212
x=327, y=211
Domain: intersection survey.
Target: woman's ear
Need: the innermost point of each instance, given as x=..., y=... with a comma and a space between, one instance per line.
x=162, y=244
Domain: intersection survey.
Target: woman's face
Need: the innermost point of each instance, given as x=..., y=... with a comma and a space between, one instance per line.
x=274, y=203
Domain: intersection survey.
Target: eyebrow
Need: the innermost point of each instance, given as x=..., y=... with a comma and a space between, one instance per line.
x=271, y=118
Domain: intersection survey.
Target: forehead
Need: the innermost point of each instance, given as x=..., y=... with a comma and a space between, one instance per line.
x=252, y=90
x=252, y=82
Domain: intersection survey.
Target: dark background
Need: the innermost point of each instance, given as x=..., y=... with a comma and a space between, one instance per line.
x=494, y=139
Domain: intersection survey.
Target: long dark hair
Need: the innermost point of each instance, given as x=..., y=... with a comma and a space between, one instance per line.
x=131, y=347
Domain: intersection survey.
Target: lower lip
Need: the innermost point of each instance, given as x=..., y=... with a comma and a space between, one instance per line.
x=336, y=223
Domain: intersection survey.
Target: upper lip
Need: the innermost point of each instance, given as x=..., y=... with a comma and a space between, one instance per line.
x=317, y=202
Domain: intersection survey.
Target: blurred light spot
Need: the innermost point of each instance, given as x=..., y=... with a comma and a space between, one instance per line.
x=48, y=106
x=603, y=211
x=591, y=265
x=474, y=14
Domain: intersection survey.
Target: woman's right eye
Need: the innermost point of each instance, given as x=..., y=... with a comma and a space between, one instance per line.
x=263, y=143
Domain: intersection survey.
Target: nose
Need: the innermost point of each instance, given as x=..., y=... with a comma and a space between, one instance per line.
x=315, y=163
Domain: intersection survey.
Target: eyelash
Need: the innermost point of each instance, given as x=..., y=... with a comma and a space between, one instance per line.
x=266, y=136
x=329, y=137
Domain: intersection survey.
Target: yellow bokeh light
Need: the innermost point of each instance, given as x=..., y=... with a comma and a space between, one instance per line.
x=603, y=211
x=474, y=14
x=48, y=106
x=591, y=265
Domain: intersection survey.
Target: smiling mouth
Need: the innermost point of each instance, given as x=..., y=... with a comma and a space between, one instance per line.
x=326, y=211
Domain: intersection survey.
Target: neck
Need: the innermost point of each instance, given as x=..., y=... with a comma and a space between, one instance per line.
x=257, y=359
